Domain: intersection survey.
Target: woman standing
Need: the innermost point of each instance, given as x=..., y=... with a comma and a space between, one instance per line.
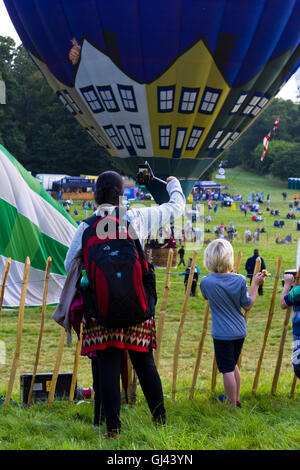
x=106, y=345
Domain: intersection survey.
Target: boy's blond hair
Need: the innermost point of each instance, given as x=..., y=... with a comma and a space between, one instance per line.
x=218, y=256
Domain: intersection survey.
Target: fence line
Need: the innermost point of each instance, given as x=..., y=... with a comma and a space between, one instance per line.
x=162, y=315
x=44, y=305
x=19, y=333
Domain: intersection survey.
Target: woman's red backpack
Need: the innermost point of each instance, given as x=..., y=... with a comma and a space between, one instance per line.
x=121, y=290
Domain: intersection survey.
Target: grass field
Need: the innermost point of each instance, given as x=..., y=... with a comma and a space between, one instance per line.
x=264, y=422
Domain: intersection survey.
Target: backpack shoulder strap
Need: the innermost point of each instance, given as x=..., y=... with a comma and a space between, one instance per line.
x=91, y=220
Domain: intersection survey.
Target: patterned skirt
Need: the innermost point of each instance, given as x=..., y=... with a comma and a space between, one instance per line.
x=140, y=337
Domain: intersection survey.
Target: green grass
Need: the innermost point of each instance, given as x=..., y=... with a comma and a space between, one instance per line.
x=264, y=422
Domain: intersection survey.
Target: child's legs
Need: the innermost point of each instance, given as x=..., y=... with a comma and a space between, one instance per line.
x=227, y=355
x=230, y=386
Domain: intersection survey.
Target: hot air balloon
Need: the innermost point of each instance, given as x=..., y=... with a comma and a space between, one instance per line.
x=32, y=224
x=173, y=82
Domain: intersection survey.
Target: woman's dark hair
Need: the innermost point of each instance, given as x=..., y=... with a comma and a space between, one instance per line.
x=109, y=187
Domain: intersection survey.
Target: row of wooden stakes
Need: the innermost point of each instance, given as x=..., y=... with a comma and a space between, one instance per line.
x=205, y=324
x=160, y=327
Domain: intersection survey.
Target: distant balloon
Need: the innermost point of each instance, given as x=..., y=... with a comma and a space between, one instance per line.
x=297, y=77
x=171, y=82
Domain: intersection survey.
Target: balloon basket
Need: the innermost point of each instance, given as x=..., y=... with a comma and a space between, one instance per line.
x=159, y=257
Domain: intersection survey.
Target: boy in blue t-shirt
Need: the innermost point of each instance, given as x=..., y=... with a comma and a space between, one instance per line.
x=227, y=294
x=291, y=297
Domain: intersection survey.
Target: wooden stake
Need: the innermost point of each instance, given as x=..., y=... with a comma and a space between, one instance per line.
x=19, y=332
x=182, y=319
x=44, y=307
x=246, y=313
x=200, y=349
x=237, y=262
x=214, y=375
x=215, y=368
x=132, y=383
x=294, y=385
x=75, y=366
x=57, y=367
x=3, y=285
x=282, y=341
x=268, y=326
x=163, y=308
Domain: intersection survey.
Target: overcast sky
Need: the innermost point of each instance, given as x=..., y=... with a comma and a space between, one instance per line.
x=289, y=91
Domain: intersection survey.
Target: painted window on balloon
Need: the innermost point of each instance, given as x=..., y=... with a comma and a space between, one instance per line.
x=166, y=97
x=194, y=137
x=253, y=103
x=108, y=98
x=239, y=103
x=228, y=140
x=128, y=98
x=92, y=99
x=188, y=100
x=72, y=102
x=111, y=133
x=260, y=105
x=138, y=136
x=179, y=141
x=97, y=137
x=164, y=137
x=215, y=139
x=209, y=100
x=66, y=103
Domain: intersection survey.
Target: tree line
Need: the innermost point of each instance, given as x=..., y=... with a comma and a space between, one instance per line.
x=45, y=137
x=282, y=159
x=35, y=127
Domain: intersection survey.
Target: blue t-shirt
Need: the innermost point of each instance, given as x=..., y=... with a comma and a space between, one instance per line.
x=226, y=294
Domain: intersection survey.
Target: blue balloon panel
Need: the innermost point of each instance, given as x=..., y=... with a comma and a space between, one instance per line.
x=172, y=82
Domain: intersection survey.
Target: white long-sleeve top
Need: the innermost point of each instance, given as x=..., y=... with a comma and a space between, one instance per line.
x=145, y=220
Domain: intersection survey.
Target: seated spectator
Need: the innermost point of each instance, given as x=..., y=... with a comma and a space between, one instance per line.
x=276, y=223
x=281, y=223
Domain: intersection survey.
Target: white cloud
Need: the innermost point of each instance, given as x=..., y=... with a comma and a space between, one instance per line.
x=6, y=26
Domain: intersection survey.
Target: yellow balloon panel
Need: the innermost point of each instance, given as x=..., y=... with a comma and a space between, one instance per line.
x=185, y=82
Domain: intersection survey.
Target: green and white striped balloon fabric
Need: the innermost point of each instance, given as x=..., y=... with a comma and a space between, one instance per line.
x=32, y=224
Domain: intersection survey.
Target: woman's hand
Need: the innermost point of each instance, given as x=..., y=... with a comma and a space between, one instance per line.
x=170, y=179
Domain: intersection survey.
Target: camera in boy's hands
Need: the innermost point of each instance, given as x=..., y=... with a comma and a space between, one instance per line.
x=289, y=278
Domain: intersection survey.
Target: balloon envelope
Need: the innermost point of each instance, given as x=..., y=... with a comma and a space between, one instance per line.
x=32, y=224
x=172, y=82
